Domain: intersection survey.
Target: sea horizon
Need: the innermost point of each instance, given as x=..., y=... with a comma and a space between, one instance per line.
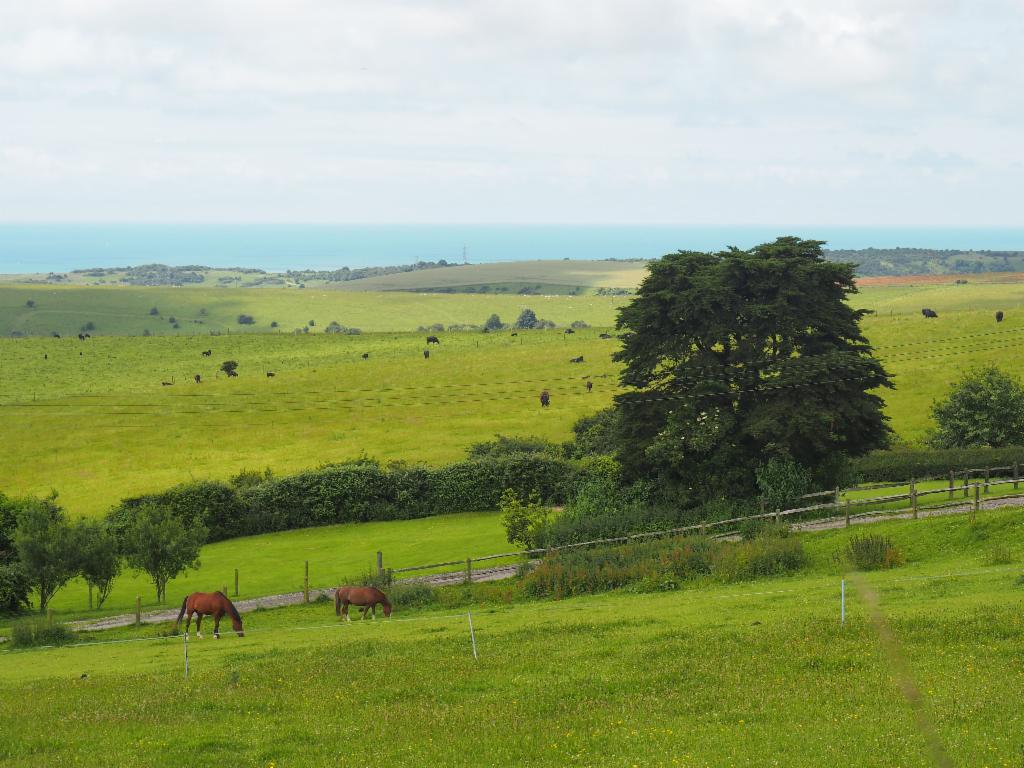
x=63, y=247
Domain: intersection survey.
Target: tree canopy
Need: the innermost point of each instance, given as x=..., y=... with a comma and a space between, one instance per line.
x=736, y=357
x=986, y=407
x=160, y=545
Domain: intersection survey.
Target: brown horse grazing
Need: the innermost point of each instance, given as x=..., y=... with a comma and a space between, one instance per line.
x=215, y=604
x=366, y=597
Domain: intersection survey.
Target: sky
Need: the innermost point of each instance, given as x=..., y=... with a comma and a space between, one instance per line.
x=753, y=112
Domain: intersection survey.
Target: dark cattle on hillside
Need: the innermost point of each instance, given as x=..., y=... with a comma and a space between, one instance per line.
x=545, y=399
x=577, y=359
x=590, y=385
x=604, y=336
x=426, y=353
x=433, y=340
x=999, y=316
x=365, y=355
x=515, y=334
x=199, y=379
x=270, y=374
x=207, y=353
x=568, y=330
x=929, y=312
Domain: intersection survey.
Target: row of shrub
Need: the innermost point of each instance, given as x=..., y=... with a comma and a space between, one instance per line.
x=364, y=490
x=900, y=464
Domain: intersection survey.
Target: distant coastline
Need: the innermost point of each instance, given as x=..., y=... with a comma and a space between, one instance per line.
x=44, y=248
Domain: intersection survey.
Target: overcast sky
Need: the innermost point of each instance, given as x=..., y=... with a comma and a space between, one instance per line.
x=888, y=112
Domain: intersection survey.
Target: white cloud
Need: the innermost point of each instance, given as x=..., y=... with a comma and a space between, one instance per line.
x=736, y=111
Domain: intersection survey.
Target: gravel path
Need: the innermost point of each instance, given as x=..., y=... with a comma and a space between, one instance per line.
x=507, y=571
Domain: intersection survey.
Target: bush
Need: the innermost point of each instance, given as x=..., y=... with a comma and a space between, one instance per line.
x=782, y=482
x=525, y=523
x=578, y=324
x=984, y=408
x=661, y=565
x=246, y=320
x=901, y=464
x=872, y=552
x=36, y=631
x=14, y=588
x=503, y=445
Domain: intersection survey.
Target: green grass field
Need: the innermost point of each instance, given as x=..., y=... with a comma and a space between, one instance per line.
x=752, y=674
x=98, y=426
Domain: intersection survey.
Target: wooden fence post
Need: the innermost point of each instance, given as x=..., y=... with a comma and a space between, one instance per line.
x=847, y=513
x=967, y=479
x=236, y=582
x=138, y=610
x=389, y=576
x=305, y=584
x=951, y=485
x=777, y=511
x=913, y=497
x=380, y=564
x=977, y=501
x=469, y=570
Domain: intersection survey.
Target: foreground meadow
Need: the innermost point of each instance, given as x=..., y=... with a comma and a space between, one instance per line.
x=751, y=674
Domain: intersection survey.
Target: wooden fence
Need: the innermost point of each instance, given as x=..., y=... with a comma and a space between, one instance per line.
x=840, y=507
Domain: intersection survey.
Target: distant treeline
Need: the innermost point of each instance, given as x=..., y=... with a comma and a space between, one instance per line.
x=345, y=274
x=884, y=262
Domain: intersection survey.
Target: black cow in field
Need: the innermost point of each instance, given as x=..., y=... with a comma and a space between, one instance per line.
x=232, y=374
x=270, y=374
x=56, y=335
x=365, y=355
x=577, y=359
x=999, y=316
x=82, y=337
x=167, y=383
x=568, y=330
x=199, y=379
x=207, y=353
x=433, y=340
x=604, y=336
x=515, y=334
x=929, y=312
x=590, y=385
x=545, y=399
x=426, y=354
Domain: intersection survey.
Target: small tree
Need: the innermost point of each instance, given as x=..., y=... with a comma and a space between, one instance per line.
x=230, y=367
x=30, y=304
x=154, y=311
x=525, y=524
x=158, y=543
x=246, y=319
x=46, y=548
x=986, y=407
x=494, y=323
x=527, y=319
x=14, y=586
x=782, y=482
x=98, y=558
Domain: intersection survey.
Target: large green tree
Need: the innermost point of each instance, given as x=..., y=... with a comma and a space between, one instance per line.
x=736, y=357
x=46, y=547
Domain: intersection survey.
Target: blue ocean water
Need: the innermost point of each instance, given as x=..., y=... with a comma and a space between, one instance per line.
x=277, y=247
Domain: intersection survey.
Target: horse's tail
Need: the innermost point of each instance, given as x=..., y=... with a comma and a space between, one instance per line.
x=337, y=602
x=184, y=604
x=231, y=607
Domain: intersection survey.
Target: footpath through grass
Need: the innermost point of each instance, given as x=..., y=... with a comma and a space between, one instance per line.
x=750, y=674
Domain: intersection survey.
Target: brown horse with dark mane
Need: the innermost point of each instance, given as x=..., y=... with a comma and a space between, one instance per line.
x=214, y=604
x=368, y=598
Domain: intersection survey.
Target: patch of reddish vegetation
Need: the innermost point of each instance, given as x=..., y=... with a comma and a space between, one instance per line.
x=908, y=280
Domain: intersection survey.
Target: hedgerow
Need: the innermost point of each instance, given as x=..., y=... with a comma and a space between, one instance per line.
x=899, y=465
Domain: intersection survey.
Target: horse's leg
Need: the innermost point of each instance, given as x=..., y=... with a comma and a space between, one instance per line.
x=344, y=611
x=373, y=611
x=199, y=624
x=216, y=625
x=363, y=611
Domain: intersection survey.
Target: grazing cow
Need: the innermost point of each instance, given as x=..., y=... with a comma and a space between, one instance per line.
x=426, y=354
x=604, y=336
x=515, y=334
x=88, y=336
x=199, y=379
x=590, y=385
x=45, y=356
x=929, y=312
x=568, y=330
x=270, y=374
x=81, y=337
x=577, y=359
x=365, y=355
x=999, y=316
x=232, y=374
x=433, y=340
x=545, y=399
x=167, y=383
x=207, y=353
x=56, y=335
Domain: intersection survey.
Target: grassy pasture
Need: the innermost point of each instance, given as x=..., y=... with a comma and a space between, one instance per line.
x=753, y=674
x=99, y=426
x=124, y=311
